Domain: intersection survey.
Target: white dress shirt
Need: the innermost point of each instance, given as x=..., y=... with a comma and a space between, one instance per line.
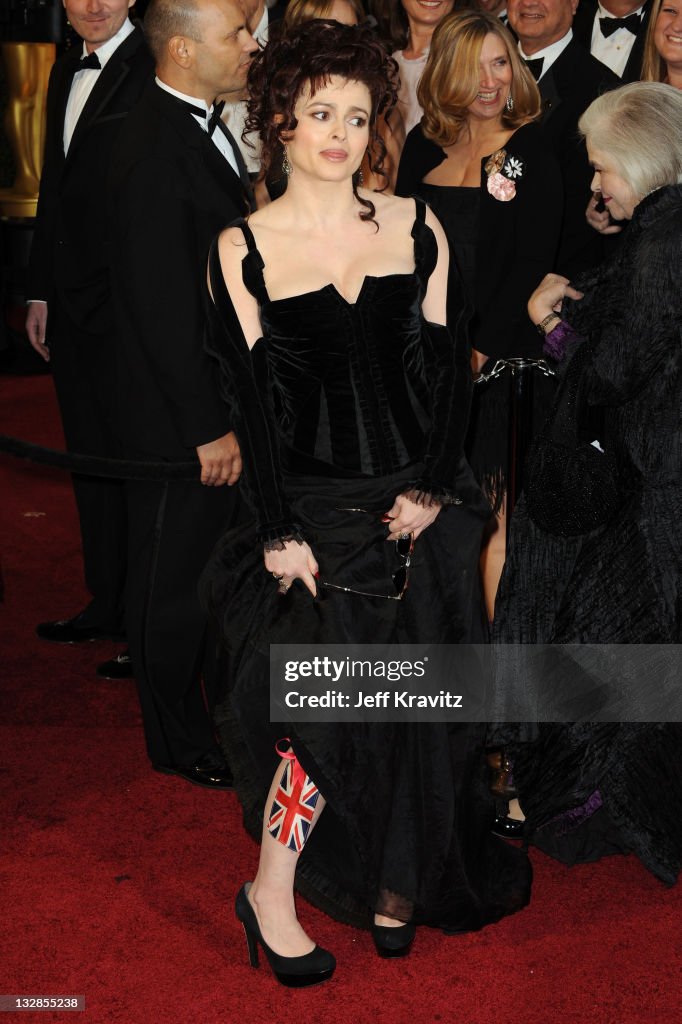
x=84, y=81
x=220, y=141
x=550, y=53
x=614, y=51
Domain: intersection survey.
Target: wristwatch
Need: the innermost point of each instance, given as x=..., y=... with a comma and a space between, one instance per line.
x=541, y=328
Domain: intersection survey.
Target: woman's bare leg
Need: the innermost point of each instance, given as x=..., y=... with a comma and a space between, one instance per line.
x=493, y=554
x=515, y=811
x=272, y=891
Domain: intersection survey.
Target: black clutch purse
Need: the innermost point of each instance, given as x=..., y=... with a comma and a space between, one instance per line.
x=573, y=486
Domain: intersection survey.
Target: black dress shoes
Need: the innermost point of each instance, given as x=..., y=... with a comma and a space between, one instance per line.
x=392, y=942
x=73, y=631
x=120, y=667
x=210, y=777
x=508, y=828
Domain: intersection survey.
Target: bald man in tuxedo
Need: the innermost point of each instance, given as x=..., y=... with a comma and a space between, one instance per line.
x=177, y=179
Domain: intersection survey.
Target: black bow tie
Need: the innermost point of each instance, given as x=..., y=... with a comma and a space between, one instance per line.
x=213, y=118
x=535, y=66
x=91, y=61
x=610, y=25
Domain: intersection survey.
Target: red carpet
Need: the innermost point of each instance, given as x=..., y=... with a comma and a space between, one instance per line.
x=118, y=883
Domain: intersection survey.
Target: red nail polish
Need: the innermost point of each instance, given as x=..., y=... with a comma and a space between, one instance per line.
x=385, y=519
x=316, y=575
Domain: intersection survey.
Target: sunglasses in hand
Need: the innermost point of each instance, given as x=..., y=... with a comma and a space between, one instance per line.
x=404, y=547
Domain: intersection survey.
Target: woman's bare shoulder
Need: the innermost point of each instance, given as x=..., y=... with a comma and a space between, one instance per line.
x=392, y=212
x=232, y=243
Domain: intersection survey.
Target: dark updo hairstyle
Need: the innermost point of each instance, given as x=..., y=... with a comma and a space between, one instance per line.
x=310, y=55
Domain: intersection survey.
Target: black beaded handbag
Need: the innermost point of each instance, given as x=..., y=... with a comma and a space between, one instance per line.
x=573, y=485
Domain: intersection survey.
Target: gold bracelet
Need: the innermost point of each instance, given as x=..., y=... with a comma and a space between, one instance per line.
x=541, y=328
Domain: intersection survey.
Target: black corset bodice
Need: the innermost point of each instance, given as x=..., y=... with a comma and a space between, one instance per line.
x=339, y=388
x=348, y=379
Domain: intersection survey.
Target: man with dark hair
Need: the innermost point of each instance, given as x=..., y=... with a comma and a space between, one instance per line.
x=177, y=179
x=70, y=317
x=569, y=78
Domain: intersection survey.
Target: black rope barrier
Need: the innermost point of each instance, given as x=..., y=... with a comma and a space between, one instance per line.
x=520, y=436
x=95, y=465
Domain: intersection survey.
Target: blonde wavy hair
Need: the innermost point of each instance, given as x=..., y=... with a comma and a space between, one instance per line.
x=299, y=11
x=654, y=68
x=451, y=78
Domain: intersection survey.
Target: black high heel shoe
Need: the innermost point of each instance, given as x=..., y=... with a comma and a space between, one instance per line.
x=294, y=971
x=392, y=942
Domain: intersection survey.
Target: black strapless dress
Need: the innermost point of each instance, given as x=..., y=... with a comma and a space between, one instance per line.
x=345, y=405
x=458, y=209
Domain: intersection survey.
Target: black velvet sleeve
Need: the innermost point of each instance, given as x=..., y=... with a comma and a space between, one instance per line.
x=244, y=386
x=446, y=476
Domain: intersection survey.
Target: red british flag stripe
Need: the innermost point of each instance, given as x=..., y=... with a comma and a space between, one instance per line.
x=293, y=807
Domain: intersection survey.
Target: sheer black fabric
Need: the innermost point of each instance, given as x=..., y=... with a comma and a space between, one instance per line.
x=406, y=827
x=620, y=583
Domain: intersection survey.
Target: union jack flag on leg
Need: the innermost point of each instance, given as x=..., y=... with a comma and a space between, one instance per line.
x=294, y=805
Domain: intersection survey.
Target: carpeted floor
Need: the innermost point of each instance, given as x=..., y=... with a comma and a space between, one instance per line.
x=117, y=883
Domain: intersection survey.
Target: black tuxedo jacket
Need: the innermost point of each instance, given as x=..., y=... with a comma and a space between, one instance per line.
x=171, y=192
x=69, y=254
x=567, y=89
x=583, y=24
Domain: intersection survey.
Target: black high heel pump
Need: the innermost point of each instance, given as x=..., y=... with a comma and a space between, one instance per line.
x=392, y=942
x=293, y=971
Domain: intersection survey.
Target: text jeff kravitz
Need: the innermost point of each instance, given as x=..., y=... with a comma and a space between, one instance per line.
x=380, y=699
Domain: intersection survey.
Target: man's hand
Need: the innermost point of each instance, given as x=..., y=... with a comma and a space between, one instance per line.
x=36, y=325
x=221, y=461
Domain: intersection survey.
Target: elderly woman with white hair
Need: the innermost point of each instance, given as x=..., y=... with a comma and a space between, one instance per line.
x=595, y=554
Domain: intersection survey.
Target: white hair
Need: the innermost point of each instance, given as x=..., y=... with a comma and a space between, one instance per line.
x=639, y=126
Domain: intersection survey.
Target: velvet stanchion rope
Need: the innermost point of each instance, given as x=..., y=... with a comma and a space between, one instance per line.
x=94, y=465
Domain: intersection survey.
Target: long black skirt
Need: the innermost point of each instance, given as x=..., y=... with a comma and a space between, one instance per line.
x=406, y=829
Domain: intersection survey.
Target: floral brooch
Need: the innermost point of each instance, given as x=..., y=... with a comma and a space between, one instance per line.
x=503, y=171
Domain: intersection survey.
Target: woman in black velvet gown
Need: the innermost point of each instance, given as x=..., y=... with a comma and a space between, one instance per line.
x=349, y=394
x=479, y=161
x=615, y=578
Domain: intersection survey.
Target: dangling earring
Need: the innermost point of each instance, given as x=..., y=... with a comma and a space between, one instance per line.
x=359, y=179
x=509, y=103
x=286, y=166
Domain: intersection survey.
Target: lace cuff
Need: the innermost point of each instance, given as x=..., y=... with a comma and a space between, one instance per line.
x=273, y=537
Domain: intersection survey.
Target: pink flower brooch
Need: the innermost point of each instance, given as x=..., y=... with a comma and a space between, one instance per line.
x=503, y=171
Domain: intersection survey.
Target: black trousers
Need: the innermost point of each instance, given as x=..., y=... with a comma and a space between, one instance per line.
x=173, y=528
x=82, y=368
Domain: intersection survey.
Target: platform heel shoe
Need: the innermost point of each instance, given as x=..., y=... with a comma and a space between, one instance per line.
x=293, y=971
x=391, y=942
